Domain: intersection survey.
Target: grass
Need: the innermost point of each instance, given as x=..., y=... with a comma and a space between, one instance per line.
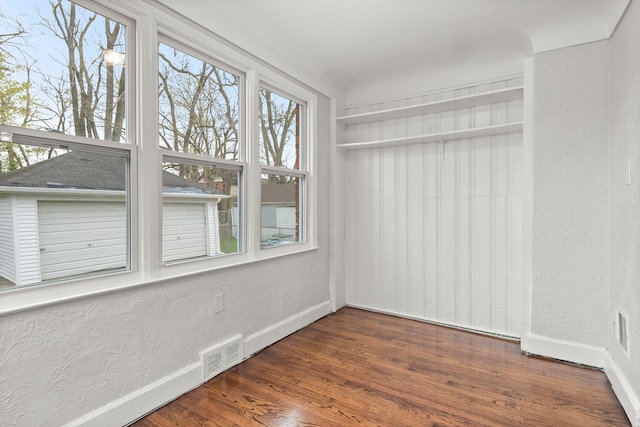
x=229, y=245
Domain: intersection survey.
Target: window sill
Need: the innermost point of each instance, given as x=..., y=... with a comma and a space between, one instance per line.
x=37, y=296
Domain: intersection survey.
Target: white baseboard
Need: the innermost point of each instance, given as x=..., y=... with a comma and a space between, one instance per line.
x=134, y=405
x=274, y=333
x=564, y=350
x=629, y=400
x=139, y=403
x=454, y=325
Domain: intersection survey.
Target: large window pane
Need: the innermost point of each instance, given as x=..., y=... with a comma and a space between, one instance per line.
x=63, y=214
x=281, y=207
x=280, y=130
x=200, y=211
x=199, y=106
x=62, y=69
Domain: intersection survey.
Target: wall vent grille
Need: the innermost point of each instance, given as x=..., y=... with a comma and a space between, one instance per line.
x=221, y=357
x=212, y=363
x=621, y=331
x=233, y=354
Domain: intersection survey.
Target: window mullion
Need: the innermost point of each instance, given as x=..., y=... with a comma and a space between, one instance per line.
x=149, y=203
x=254, y=171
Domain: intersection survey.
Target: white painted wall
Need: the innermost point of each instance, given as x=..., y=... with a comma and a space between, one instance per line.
x=624, y=243
x=60, y=362
x=569, y=241
x=434, y=232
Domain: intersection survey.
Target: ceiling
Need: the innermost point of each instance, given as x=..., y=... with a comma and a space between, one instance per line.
x=342, y=47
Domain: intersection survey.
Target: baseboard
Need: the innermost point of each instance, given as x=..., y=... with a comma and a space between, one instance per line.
x=139, y=403
x=629, y=400
x=274, y=333
x=454, y=325
x=134, y=405
x=564, y=350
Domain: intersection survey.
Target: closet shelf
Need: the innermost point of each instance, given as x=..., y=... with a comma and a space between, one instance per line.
x=475, y=100
x=437, y=137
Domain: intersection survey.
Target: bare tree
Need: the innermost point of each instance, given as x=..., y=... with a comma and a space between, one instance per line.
x=198, y=113
x=279, y=127
x=87, y=81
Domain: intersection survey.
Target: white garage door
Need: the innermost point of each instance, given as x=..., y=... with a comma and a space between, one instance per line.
x=77, y=238
x=183, y=231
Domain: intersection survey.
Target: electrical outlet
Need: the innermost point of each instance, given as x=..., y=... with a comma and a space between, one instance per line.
x=219, y=302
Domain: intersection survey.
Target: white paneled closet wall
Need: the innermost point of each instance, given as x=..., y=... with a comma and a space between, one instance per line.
x=433, y=213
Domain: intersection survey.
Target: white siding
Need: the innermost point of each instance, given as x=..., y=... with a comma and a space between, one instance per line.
x=213, y=234
x=183, y=231
x=434, y=231
x=286, y=218
x=7, y=248
x=25, y=211
x=81, y=237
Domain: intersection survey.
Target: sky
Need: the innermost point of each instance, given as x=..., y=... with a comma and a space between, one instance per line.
x=46, y=54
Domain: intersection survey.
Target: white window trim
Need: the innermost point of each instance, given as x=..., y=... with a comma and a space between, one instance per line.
x=147, y=25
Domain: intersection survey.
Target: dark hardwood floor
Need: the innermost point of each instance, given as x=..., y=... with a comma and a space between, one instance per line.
x=360, y=368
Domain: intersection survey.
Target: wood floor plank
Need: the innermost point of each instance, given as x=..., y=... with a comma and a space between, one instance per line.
x=356, y=367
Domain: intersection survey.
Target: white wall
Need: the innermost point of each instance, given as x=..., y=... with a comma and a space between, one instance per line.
x=60, y=362
x=569, y=242
x=624, y=259
x=433, y=231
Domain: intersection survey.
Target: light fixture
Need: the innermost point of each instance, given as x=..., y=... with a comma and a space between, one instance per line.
x=113, y=58
x=6, y=137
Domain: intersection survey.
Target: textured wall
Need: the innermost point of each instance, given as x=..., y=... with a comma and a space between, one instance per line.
x=570, y=184
x=625, y=199
x=60, y=362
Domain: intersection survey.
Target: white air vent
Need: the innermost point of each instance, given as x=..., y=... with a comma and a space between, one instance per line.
x=221, y=357
x=621, y=332
x=212, y=363
x=233, y=353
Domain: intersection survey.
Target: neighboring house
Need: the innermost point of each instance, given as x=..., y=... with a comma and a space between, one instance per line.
x=279, y=207
x=67, y=216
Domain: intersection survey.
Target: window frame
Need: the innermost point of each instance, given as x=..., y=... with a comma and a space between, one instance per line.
x=308, y=194
x=300, y=173
x=147, y=26
x=184, y=266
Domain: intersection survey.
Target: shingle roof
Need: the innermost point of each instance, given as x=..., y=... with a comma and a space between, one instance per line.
x=94, y=171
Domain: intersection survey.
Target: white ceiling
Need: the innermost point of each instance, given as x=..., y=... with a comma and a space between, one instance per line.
x=341, y=46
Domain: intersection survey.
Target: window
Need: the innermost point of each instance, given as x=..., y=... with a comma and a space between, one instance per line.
x=64, y=161
x=63, y=70
x=89, y=201
x=282, y=146
x=198, y=128
x=200, y=214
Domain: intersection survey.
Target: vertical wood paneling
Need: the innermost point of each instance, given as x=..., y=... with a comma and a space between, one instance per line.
x=401, y=230
x=350, y=236
x=362, y=228
x=417, y=255
x=375, y=209
x=434, y=231
x=389, y=285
